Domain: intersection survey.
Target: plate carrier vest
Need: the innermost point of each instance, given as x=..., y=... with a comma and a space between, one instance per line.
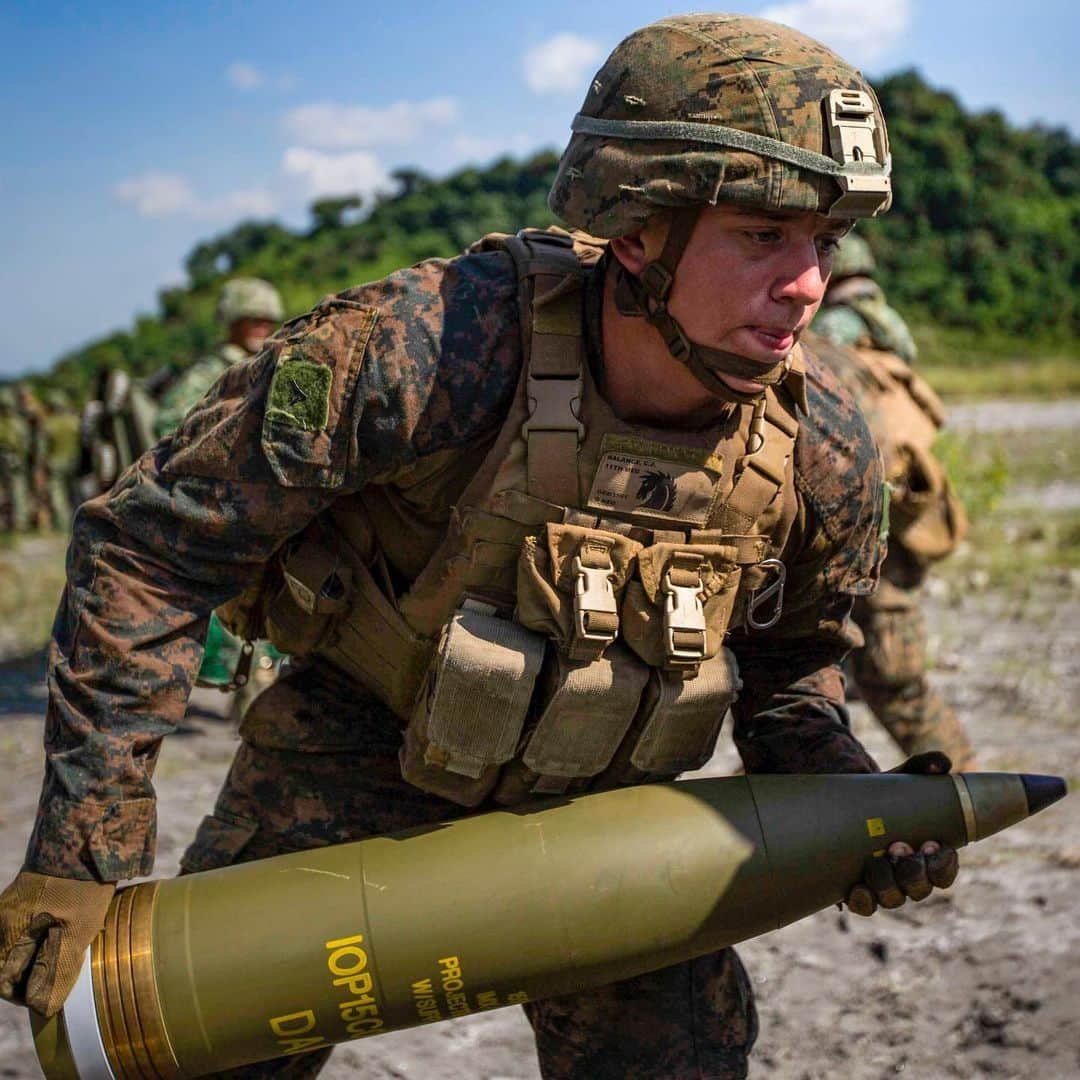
x=566, y=628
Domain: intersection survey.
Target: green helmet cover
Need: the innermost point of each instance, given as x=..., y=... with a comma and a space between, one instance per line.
x=853, y=258
x=713, y=108
x=249, y=298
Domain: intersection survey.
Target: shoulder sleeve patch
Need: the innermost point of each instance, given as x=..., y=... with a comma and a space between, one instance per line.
x=299, y=393
x=307, y=422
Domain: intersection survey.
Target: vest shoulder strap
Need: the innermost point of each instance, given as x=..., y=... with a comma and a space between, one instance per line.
x=762, y=472
x=551, y=277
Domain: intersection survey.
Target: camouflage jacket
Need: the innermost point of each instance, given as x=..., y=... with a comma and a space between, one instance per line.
x=370, y=383
x=183, y=394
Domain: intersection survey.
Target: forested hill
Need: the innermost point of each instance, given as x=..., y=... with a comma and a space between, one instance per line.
x=982, y=235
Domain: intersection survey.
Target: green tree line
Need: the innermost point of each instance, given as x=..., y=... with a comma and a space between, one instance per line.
x=981, y=237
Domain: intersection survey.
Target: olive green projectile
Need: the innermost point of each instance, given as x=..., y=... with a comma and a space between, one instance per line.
x=285, y=955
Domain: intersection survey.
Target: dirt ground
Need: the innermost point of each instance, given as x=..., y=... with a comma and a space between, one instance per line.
x=981, y=981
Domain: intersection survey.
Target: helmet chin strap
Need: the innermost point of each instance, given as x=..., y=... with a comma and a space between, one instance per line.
x=646, y=294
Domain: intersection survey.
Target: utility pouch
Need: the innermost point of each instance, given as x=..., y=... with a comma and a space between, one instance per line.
x=920, y=390
x=681, y=718
x=585, y=710
x=927, y=519
x=677, y=725
x=676, y=612
x=468, y=721
x=315, y=591
x=568, y=585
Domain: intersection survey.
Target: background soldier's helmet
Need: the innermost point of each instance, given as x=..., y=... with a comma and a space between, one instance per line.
x=249, y=298
x=701, y=109
x=853, y=258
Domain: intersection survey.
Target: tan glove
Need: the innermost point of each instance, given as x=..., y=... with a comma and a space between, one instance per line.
x=903, y=873
x=46, y=926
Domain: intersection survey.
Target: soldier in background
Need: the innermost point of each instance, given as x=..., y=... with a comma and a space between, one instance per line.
x=927, y=520
x=115, y=427
x=60, y=425
x=14, y=464
x=37, y=458
x=251, y=310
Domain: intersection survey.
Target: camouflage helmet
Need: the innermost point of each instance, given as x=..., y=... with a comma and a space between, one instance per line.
x=853, y=258
x=703, y=109
x=249, y=298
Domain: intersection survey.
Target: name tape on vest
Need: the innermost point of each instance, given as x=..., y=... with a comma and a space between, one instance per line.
x=636, y=476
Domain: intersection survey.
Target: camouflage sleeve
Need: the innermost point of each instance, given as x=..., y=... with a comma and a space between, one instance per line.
x=364, y=385
x=790, y=716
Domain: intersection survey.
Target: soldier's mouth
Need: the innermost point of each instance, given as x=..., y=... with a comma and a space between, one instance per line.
x=775, y=340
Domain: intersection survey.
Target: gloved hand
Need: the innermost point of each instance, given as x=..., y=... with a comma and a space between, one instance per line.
x=902, y=872
x=46, y=926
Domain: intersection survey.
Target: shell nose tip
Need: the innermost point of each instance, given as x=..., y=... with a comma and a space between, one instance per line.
x=1041, y=791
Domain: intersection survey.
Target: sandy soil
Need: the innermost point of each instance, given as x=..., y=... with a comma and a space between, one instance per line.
x=981, y=981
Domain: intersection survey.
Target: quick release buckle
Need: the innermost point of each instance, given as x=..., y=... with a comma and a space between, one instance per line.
x=857, y=142
x=594, y=598
x=684, y=621
x=775, y=588
x=553, y=405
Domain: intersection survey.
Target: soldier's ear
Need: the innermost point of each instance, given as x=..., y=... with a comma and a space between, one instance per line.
x=637, y=249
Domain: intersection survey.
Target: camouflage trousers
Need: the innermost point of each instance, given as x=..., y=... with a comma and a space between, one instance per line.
x=890, y=670
x=318, y=765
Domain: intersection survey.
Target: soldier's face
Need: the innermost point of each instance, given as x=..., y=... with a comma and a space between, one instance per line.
x=751, y=281
x=250, y=334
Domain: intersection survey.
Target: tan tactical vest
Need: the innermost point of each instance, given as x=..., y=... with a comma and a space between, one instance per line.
x=566, y=628
x=906, y=415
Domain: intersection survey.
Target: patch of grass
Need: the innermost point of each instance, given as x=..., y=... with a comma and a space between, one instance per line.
x=963, y=364
x=1038, y=458
x=31, y=581
x=978, y=468
x=1007, y=550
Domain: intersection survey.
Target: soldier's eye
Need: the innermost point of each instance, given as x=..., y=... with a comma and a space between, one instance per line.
x=764, y=236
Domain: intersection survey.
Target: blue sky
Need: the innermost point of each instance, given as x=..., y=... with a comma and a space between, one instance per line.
x=134, y=130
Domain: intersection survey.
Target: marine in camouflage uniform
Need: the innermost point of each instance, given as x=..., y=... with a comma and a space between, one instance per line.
x=379, y=406
x=37, y=463
x=890, y=669
x=15, y=440
x=60, y=425
x=250, y=309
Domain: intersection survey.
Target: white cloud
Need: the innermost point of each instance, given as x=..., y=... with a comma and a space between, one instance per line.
x=336, y=174
x=345, y=127
x=858, y=31
x=483, y=148
x=245, y=202
x=561, y=65
x=244, y=76
x=157, y=194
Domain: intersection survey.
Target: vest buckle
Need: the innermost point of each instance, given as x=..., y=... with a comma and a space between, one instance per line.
x=596, y=614
x=554, y=404
x=759, y=596
x=684, y=621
